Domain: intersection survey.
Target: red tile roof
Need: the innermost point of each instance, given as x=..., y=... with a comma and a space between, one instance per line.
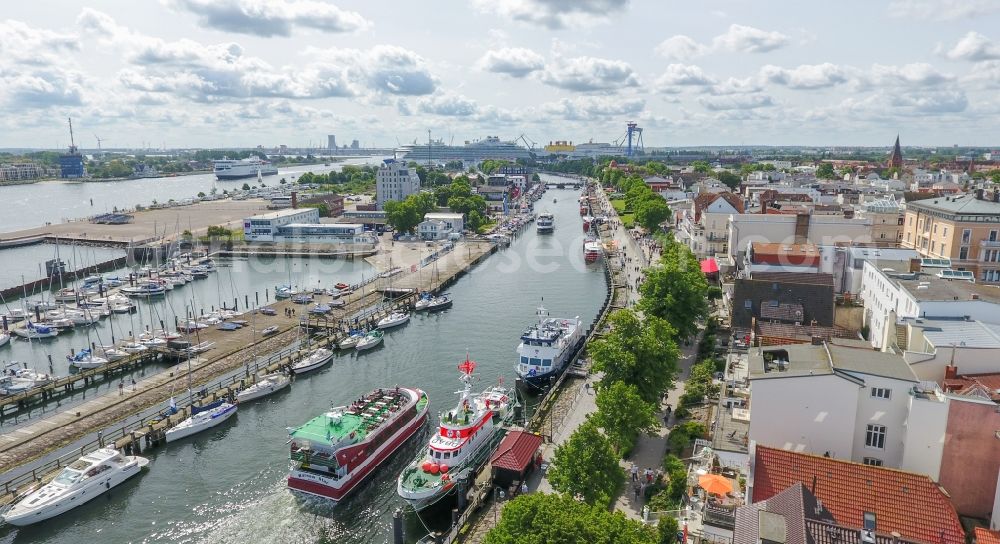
x=908, y=503
x=516, y=451
x=969, y=384
x=986, y=536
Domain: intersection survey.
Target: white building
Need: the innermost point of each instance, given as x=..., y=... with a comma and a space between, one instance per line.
x=440, y=226
x=839, y=399
x=930, y=345
x=820, y=230
x=21, y=170
x=325, y=233
x=263, y=228
x=394, y=181
x=891, y=295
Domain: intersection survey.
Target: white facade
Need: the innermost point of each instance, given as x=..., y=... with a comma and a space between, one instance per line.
x=926, y=429
x=440, y=226
x=325, y=233
x=394, y=181
x=264, y=228
x=777, y=228
x=21, y=170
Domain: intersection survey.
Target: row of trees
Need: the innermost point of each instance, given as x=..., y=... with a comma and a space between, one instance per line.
x=650, y=208
x=457, y=196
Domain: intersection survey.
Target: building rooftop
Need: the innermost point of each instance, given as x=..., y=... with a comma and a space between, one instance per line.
x=805, y=278
x=904, y=502
x=944, y=332
x=791, y=250
x=839, y=356
x=966, y=204
x=982, y=385
x=928, y=287
x=443, y=215
x=876, y=254
x=986, y=536
x=517, y=451
x=283, y=213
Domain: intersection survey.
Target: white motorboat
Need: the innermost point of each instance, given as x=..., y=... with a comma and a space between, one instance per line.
x=351, y=341
x=85, y=359
x=23, y=379
x=395, y=319
x=148, y=289
x=16, y=314
x=87, y=478
x=370, y=340
x=269, y=330
x=267, y=384
x=123, y=308
x=205, y=418
x=423, y=303
x=134, y=347
x=35, y=331
x=314, y=360
x=439, y=303
x=113, y=353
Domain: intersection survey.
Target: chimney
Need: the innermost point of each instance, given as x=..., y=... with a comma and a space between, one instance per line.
x=817, y=340
x=950, y=372
x=295, y=200
x=914, y=265
x=979, y=194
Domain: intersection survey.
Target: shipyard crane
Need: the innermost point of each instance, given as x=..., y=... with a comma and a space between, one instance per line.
x=632, y=139
x=99, y=140
x=72, y=142
x=527, y=141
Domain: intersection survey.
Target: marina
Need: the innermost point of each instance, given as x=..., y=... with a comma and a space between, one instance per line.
x=424, y=341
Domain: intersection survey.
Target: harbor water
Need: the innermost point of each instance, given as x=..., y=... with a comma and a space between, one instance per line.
x=227, y=484
x=36, y=204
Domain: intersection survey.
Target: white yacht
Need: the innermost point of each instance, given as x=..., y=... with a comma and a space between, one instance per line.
x=547, y=347
x=314, y=360
x=36, y=331
x=245, y=168
x=351, y=341
x=395, y=319
x=267, y=384
x=4, y=338
x=203, y=419
x=87, y=478
x=370, y=340
x=545, y=223
x=85, y=359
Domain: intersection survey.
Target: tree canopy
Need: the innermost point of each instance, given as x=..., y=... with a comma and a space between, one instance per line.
x=623, y=414
x=640, y=352
x=825, y=171
x=541, y=518
x=406, y=215
x=586, y=466
x=651, y=212
x=676, y=290
x=730, y=179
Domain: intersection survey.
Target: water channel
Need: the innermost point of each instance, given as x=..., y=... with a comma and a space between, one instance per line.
x=227, y=485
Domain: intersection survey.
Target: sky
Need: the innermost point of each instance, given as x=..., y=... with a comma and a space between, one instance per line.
x=228, y=73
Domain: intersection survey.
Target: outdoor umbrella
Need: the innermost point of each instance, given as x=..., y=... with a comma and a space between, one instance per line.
x=715, y=484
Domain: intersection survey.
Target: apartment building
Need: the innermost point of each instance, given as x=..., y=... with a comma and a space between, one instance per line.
x=963, y=228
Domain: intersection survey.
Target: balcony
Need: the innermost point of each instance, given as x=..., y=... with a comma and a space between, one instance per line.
x=989, y=243
x=720, y=516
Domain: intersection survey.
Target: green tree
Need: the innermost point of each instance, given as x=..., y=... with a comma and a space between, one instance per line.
x=534, y=177
x=623, y=414
x=543, y=518
x=638, y=352
x=475, y=221
x=702, y=167
x=825, y=171
x=666, y=530
x=586, y=466
x=676, y=290
x=246, y=187
x=651, y=212
x=467, y=204
x=730, y=179
x=201, y=194
x=402, y=216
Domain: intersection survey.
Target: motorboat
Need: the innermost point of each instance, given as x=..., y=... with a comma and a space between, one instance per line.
x=133, y=347
x=17, y=380
x=304, y=298
x=439, y=303
x=202, y=419
x=85, y=359
x=269, y=330
x=16, y=314
x=111, y=353
x=370, y=340
x=123, y=308
x=148, y=289
x=592, y=251
x=314, y=360
x=87, y=478
x=34, y=331
x=341, y=286
x=265, y=385
x=283, y=291
x=352, y=340
x=320, y=309
x=395, y=319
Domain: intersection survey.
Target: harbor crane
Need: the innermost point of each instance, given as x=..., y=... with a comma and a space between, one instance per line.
x=527, y=141
x=99, y=140
x=632, y=139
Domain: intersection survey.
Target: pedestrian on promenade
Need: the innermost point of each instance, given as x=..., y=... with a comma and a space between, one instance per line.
x=637, y=489
x=121, y=387
x=635, y=473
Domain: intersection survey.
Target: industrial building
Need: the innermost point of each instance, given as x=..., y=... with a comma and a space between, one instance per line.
x=303, y=226
x=264, y=228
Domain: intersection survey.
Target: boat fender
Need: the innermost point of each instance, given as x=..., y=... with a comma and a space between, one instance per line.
x=435, y=468
x=444, y=469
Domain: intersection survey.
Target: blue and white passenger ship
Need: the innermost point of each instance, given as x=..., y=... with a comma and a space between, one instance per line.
x=547, y=347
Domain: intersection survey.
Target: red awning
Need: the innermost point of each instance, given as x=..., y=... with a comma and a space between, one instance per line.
x=517, y=451
x=709, y=266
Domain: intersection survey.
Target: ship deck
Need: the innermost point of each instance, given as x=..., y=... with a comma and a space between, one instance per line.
x=355, y=421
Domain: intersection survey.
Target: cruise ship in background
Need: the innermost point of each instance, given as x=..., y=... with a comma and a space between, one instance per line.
x=491, y=147
x=244, y=168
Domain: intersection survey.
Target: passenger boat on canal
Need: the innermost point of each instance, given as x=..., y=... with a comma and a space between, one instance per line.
x=547, y=347
x=334, y=452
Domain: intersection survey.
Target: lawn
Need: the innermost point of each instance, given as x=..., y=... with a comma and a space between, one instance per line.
x=628, y=219
x=619, y=205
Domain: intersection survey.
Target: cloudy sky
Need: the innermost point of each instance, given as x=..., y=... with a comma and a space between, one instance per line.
x=714, y=72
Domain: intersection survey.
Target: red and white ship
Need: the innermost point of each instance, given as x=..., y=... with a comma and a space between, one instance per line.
x=334, y=452
x=592, y=251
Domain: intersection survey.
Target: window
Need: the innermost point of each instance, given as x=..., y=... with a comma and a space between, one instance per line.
x=945, y=233
x=966, y=236
x=880, y=393
x=963, y=253
x=872, y=461
x=875, y=437
x=993, y=236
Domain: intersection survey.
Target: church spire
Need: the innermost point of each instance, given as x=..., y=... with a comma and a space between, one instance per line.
x=896, y=158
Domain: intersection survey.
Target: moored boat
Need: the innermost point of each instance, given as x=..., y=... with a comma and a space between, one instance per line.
x=592, y=251
x=312, y=361
x=334, y=452
x=85, y=359
x=439, y=303
x=395, y=319
x=36, y=331
x=85, y=479
x=202, y=419
x=547, y=347
x=265, y=385
x=370, y=340
x=466, y=436
x=352, y=340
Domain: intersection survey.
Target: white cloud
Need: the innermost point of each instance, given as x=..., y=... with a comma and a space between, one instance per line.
x=41, y=89
x=806, y=76
x=974, y=46
x=916, y=74
x=747, y=39
x=683, y=75
x=590, y=74
x=513, y=61
x=215, y=72
x=25, y=44
x=734, y=85
x=681, y=47
x=448, y=104
x=942, y=9
x=582, y=108
x=736, y=102
x=34, y=68
x=271, y=17
x=553, y=14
